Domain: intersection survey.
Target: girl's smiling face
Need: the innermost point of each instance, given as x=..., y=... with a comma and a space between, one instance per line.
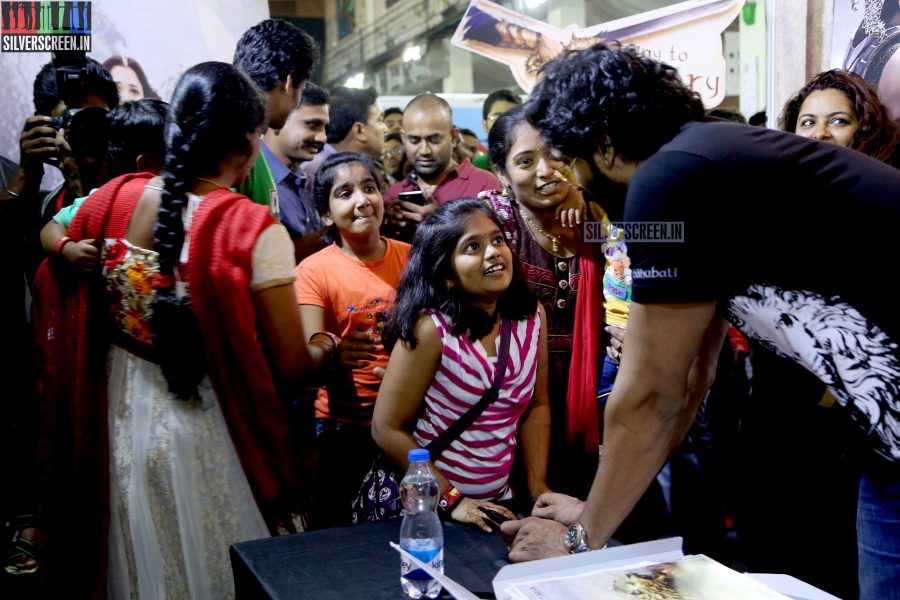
x=482, y=262
x=355, y=205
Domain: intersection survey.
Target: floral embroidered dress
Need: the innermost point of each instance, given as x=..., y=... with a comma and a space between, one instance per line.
x=178, y=494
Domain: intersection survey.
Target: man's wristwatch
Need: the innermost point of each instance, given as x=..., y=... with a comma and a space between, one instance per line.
x=575, y=538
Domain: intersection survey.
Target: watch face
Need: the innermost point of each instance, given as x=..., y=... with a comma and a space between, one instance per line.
x=572, y=536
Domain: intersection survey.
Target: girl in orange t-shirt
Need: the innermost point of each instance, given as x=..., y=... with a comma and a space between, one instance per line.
x=345, y=293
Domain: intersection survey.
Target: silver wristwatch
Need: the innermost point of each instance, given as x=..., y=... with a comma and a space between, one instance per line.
x=575, y=538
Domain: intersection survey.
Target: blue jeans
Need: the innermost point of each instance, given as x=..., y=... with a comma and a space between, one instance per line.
x=878, y=537
x=608, y=372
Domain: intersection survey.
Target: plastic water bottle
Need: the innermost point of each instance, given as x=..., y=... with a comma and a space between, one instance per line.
x=420, y=533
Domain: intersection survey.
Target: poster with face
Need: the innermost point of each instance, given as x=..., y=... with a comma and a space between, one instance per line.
x=146, y=44
x=686, y=35
x=865, y=39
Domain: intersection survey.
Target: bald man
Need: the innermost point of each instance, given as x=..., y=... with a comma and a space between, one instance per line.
x=428, y=139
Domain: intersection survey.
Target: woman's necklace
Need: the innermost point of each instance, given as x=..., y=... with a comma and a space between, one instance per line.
x=218, y=185
x=554, y=240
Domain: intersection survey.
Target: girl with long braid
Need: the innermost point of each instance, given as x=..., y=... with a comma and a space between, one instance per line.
x=200, y=283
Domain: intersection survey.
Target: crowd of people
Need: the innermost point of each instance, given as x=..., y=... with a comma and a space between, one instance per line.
x=248, y=298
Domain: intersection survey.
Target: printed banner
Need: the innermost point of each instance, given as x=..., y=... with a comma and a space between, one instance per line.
x=146, y=44
x=687, y=36
x=865, y=39
x=45, y=26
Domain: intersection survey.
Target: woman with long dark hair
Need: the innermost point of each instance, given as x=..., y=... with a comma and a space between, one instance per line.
x=204, y=317
x=565, y=275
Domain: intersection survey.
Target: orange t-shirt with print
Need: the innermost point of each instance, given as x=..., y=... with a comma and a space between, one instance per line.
x=357, y=296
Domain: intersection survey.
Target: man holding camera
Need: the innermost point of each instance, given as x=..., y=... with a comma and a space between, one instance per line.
x=44, y=139
x=63, y=89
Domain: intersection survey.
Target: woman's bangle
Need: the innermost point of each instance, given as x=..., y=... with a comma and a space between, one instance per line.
x=332, y=341
x=449, y=500
x=60, y=244
x=13, y=194
x=328, y=337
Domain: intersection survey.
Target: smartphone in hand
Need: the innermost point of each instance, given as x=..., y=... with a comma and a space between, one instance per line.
x=416, y=197
x=495, y=519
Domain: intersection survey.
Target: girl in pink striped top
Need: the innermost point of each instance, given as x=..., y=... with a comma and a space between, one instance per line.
x=460, y=283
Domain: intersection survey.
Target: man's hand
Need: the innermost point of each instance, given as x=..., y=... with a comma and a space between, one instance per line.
x=616, y=342
x=355, y=351
x=534, y=538
x=559, y=507
x=82, y=254
x=37, y=143
x=415, y=214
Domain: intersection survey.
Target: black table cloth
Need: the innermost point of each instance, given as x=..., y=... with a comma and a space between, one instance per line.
x=357, y=562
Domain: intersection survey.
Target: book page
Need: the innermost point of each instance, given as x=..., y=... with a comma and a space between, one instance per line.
x=691, y=578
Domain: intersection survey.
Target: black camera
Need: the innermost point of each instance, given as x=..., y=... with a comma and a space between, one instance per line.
x=71, y=76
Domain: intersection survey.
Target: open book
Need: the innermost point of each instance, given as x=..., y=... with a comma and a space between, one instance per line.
x=689, y=578
x=654, y=570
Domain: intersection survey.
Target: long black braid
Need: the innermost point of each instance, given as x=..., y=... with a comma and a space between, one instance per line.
x=213, y=109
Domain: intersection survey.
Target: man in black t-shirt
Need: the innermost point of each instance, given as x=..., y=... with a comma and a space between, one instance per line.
x=789, y=239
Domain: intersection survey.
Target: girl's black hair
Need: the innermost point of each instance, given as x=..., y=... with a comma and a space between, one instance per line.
x=214, y=108
x=502, y=136
x=136, y=128
x=424, y=282
x=327, y=172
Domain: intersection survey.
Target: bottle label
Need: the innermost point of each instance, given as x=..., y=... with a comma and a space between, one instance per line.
x=433, y=557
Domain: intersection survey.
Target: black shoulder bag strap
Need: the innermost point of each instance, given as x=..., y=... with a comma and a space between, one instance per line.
x=439, y=444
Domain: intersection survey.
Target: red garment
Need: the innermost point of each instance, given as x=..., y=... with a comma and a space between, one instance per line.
x=73, y=336
x=223, y=234
x=738, y=341
x=74, y=442
x=581, y=397
x=465, y=181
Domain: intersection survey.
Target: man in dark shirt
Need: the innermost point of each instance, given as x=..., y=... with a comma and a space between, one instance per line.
x=809, y=283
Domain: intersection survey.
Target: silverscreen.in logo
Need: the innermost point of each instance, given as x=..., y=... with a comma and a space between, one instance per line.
x=45, y=26
x=634, y=231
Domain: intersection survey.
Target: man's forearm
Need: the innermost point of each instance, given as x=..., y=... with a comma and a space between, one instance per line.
x=21, y=184
x=636, y=446
x=645, y=421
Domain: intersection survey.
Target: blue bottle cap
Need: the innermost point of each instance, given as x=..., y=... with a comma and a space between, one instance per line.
x=419, y=455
